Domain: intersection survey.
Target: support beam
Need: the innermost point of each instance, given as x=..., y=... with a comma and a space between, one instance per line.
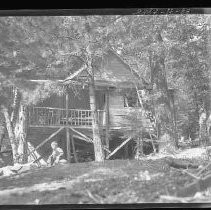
x=81, y=134
x=87, y=139
x=68, y=144
x=67, y=129
x=73, y=146
x=153, y=143
x=46, y=140
x=119, y=147
x=107, y=119
x=66, y=106
x=81, y=138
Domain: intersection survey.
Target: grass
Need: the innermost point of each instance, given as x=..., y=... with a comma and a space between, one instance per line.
x=110, y=182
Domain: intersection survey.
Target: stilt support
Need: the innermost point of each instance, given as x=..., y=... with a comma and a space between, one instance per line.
x=119, y=147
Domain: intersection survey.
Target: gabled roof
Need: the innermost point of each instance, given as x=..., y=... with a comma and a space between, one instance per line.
x=112, y=71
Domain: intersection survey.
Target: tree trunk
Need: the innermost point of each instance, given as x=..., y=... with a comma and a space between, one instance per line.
x=2, y=135
x=98, y=149
x=163, y=108
x=21, y=126
x=11, y=134
x=175, y=123
x=16, y=105
x=98, y=146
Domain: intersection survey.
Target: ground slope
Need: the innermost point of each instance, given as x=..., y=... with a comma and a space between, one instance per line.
x=114, y=181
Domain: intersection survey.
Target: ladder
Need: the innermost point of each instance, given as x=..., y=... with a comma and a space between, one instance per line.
x=36, y=157
x=147, y=114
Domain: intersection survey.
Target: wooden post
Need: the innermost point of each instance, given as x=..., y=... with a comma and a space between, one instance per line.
x=73, y=146
x=66, y=107
x=67, y=130
x=68, y=145
x=107, y=119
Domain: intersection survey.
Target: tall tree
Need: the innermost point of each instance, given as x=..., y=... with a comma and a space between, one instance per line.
x=25, y=54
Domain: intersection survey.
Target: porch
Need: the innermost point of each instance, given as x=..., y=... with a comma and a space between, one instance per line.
x=57, y=117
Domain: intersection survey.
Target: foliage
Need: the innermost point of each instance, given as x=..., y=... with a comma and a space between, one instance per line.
x=54, y=47
x=185, y=50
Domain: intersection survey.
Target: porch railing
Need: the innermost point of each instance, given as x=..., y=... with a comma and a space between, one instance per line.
x=47, y=116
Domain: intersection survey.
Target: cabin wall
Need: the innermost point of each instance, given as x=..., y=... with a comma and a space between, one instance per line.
x=76, y=101
x=82, y=100
x=117, y=111
x=100, y=99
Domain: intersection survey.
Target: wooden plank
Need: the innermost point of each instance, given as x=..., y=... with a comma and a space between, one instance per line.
x=81, y=134
x=46, y=140
x=119, y=147
x=81, y=138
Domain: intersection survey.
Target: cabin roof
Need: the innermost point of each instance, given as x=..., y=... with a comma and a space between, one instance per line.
x=112, y=71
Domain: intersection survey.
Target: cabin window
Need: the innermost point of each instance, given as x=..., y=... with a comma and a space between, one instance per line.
x=130, y=99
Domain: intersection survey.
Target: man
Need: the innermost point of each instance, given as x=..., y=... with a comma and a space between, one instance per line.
x=56, y=156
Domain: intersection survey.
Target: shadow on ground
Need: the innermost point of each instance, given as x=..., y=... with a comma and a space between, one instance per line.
x=114, y=181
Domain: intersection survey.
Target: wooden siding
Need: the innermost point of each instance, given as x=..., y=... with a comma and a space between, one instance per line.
x=118, y=113
x=116, y=100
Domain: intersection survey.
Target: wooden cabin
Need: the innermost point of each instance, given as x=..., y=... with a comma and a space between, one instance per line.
x=73, y=109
